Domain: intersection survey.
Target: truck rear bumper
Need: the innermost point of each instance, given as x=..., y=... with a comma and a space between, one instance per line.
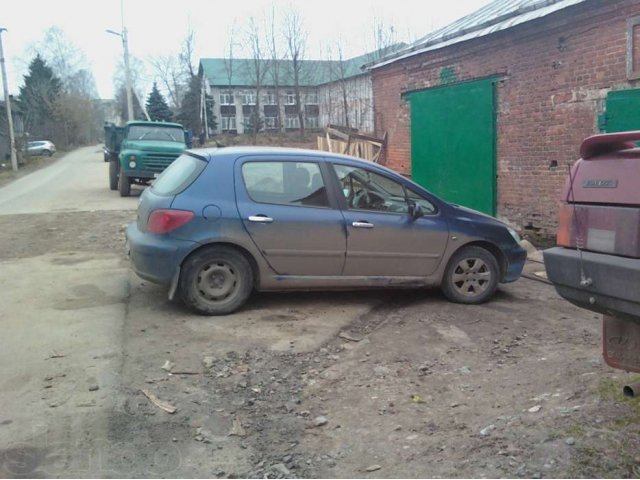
x=614, y=286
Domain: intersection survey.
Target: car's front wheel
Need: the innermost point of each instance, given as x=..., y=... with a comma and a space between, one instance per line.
x=216, y=281
x=471, y=276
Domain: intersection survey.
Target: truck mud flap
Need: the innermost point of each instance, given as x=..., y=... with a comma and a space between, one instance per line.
x=621, y=343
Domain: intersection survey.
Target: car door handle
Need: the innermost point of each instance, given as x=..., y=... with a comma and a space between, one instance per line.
x=260, y=219
x=362, y=224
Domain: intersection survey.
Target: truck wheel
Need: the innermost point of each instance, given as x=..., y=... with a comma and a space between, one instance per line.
x=216, y=281
x=471, y=276
x=113, y=175
x=124, y=184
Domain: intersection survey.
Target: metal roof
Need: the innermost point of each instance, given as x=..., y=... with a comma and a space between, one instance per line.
x=494, y=17
x=312, y=72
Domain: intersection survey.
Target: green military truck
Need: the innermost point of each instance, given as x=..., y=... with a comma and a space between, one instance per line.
x=138, y=152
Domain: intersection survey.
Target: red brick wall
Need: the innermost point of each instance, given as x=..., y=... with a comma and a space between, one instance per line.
x=556, y=72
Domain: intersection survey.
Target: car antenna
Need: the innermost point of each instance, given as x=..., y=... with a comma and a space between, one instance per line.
x=584, y=280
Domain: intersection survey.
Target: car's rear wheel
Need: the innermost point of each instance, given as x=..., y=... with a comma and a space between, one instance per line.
x=47, y=153
x=471, y=276
x=124, y=184
x=113, y=175
x=216, y=281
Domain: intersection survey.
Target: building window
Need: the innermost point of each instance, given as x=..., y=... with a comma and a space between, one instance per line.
x=291, y=98
x=311, y=122
x=227, y=123
x=270, y=123
x=312, y=98
x=292, y=121
x=270, y=98
x=249, y=98
x=633, y=48
x=226, y=98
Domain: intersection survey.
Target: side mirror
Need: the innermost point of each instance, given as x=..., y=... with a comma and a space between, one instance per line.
x=415, y=211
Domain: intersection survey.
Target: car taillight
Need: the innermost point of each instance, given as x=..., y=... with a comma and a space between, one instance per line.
x=565, y=236
x=167, y=220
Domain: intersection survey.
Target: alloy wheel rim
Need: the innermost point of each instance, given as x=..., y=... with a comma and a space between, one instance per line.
x=471, y=277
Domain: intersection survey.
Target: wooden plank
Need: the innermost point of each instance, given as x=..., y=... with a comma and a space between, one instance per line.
x=167, y=407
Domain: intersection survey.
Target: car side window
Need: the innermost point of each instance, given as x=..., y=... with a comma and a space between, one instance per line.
x=285, y=183
x=366, y=190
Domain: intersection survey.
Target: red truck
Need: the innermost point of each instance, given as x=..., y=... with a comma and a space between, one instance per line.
x=596, y=264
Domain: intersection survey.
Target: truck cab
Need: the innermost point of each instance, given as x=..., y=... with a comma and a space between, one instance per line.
x=141, y=151
x=596, y=263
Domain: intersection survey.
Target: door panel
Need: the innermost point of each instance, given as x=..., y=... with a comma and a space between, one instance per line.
x=383, y=238
x=453, y=143
x=281, y=208
x=394, y=244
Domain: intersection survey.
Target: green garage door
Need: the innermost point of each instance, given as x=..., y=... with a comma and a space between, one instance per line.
x=453, y=143
x=623, y=111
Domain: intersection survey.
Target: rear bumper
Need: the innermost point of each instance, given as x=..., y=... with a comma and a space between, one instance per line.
x=156, y=258
x=614, y=287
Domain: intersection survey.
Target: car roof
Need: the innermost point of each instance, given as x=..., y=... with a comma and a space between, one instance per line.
x=231, y=153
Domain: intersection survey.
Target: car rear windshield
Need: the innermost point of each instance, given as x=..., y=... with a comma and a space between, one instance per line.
x=179, y=175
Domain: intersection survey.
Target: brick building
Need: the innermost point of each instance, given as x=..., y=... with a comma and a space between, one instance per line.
x=490, y=111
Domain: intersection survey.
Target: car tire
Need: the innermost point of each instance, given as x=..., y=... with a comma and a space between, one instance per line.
x=47, y=153
x=216, y=281
x=471, y=276
x=113, y=175
x=124, y=184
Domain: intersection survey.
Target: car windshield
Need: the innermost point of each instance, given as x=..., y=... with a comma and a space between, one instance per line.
x=153, y=132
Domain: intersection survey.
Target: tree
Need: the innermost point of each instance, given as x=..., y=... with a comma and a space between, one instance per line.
x=39, y=97
x=157, y=107
x=67, y=61
x=339, y=72
x=168, y=70
x=273, y=42
x=296, y=38
x=190, y=113
x=257, y=72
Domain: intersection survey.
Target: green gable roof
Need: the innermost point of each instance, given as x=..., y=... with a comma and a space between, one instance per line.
x=312, y=72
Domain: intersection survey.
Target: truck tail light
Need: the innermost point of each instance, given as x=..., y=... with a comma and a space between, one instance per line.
x=565, y=227
x=167, y=220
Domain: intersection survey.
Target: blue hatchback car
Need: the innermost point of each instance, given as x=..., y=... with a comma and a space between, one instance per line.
x=221, y=223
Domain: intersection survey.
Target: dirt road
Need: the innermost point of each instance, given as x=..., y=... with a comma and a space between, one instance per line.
x=367, y=384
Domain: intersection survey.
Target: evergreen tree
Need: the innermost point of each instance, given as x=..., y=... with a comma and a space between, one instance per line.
x=39, y=98
x=157, y=107
x=190, y=114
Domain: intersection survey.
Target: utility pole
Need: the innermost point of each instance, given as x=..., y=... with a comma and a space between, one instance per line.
x=7, y=103
x=127, y=71
x=203, y=99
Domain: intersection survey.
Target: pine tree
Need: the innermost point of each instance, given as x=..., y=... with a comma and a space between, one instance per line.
x=157, y=107
x=190, y=110
x=39, y=97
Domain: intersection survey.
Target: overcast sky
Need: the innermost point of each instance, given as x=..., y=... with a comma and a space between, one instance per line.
x=158, y=27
